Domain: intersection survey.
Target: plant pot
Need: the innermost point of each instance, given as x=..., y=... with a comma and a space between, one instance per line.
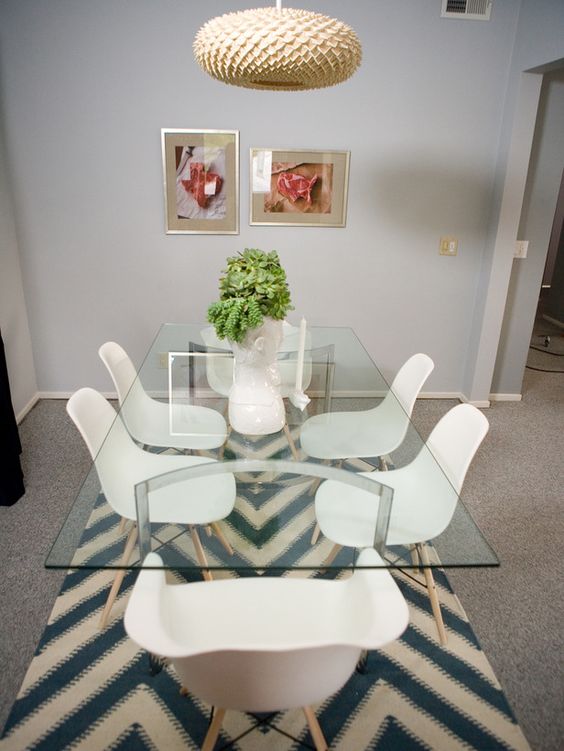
x=255, y=404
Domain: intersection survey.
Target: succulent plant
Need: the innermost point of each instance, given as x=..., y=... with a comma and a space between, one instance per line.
x=252, y=286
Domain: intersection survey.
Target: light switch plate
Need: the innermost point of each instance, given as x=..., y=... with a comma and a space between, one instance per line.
x=521, y=248
x=448, y=246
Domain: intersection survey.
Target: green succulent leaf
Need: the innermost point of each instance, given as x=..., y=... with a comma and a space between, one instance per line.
x=252, y=286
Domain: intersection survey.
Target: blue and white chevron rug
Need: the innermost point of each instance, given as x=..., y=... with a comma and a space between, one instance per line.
x=91, y=690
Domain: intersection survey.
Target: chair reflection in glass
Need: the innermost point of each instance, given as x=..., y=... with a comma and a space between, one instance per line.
x=287, y=643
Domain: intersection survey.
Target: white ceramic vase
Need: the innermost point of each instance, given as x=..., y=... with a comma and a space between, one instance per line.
x=255, y=404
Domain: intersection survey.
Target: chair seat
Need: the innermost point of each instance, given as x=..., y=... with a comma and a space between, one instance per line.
x=340, y=435
x=195, y=427
x=347, y=515
x=199, y=501
x=373, y=432
x=148, y=420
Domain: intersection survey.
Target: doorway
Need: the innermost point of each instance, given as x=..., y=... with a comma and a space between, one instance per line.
x=540, y=224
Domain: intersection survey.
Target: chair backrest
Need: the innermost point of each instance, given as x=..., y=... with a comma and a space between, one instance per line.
x=287, y=642
x=394, y=412
x=455, y=439
x=113, y=451
x=137, y=408
x=428, y=497
x=410, y=378
x=119, y=366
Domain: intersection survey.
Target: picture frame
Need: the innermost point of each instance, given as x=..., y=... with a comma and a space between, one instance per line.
x=201, y=181
x=298, y=187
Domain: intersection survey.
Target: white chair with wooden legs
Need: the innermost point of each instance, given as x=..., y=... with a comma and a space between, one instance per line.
x=121, y=464
x=424, y=501
x=147, y=419
x=287, y=643
x=373, y=432
x=333, y=436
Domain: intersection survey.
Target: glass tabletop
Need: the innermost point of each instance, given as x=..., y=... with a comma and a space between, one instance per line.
x=208, y=498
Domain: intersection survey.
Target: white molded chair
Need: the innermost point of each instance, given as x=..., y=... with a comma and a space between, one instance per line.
x=147, y=419
x=121, y=464
x=373, y=432
x=424, y=496
x=287, y=642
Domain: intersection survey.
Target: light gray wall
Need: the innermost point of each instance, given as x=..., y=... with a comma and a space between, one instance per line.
x=539, y=205
x=87, y=87
x=539, y=42
x=13, y=313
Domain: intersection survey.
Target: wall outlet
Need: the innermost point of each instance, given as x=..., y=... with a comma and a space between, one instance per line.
x=448, y=246
x=163, y=360
x=521, y=248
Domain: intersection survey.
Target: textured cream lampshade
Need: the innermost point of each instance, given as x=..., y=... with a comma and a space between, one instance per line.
x=282, y=49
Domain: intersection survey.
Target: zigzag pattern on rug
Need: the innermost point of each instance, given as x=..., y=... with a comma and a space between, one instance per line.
x=95, y=690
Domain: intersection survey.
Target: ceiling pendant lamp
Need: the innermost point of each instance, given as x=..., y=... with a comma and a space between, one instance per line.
x=281, y=49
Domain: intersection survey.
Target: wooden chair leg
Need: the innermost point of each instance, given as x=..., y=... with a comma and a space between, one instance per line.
x=315, y=484
x=335, y=550
x=200, y=555
x=221, y=537
x=118, y=578
x=315, y=729
x=432, y=590
x=291, y=442
x=224, y=444
x=214, y=728
x=384, y=462
x=315, y=534
x=122, y=523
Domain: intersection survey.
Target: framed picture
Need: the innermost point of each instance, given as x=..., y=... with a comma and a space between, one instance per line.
x=201, y=181
x=299, y=188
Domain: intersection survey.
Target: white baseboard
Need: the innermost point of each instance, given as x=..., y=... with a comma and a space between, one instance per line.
x=479, y=403
x=68, y=394
x=32, y=402
x=506, y=397
x=441, y=395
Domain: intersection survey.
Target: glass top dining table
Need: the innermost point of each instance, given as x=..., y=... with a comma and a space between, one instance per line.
x=271, y=525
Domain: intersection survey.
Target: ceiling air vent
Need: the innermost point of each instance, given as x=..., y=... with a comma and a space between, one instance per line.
x=470, y=10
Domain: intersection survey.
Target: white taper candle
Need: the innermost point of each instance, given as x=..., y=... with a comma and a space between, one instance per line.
x=301, y=349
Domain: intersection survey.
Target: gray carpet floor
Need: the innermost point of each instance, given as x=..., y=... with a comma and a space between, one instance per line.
x=513, y=489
